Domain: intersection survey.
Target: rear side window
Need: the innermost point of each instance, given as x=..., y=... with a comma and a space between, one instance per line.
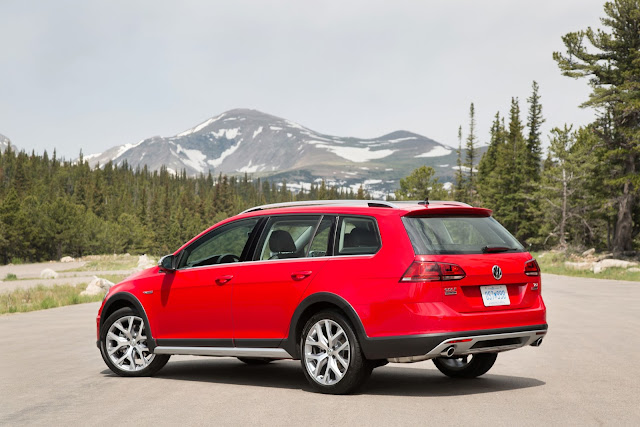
x=357, y=236
x=459, y=235
x=287, y=237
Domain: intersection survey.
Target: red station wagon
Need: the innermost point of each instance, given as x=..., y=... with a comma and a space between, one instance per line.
x=343, y=286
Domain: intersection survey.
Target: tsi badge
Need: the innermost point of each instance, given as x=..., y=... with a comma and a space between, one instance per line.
x=450, y=291
x=497, y=272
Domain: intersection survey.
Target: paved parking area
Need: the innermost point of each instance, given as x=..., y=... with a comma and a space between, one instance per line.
x=585, y=373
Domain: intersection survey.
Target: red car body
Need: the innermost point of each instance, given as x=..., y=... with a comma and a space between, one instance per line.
x=263, y=304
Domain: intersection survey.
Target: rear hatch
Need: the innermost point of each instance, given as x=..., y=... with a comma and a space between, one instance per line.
x=478, y=264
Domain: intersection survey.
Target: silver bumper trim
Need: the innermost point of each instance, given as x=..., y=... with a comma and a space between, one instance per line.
x=465, y=348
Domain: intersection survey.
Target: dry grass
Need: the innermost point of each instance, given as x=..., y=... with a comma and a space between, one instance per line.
x=44, y=297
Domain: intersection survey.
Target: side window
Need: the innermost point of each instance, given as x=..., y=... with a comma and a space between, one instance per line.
x=287, y=237
x=222, y=245
x=322, y=240
x=357, y=236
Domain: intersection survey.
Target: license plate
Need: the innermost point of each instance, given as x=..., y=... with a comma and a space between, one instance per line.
x=495, y=295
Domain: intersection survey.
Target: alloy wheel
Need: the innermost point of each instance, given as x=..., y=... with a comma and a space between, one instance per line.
x=126, y=344
x=327, y=352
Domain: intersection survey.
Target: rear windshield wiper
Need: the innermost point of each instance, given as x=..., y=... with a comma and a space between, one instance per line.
x=496, y=248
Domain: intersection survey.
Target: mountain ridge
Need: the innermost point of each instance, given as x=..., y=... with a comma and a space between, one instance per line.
x=249, y=141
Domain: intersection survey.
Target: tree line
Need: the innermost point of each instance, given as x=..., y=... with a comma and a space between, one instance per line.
x=584, y=192
x=52, y=207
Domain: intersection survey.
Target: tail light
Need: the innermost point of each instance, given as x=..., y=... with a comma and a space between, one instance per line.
x=428, y=271
x=531, y=268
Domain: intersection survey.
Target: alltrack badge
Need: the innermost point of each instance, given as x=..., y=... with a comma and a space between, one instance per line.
x=497, y=272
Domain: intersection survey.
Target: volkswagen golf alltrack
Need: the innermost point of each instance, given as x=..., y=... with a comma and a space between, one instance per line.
x=342, y=286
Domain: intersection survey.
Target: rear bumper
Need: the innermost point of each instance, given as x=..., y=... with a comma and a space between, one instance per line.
x=468, y=342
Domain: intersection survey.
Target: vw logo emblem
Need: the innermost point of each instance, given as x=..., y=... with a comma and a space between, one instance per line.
x=497, y=272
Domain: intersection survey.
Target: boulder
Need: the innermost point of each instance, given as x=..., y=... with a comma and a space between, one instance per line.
x=612, y=263
x=589, y=252
x=97, y=286
x=48, y=273
x=584, y=265
x=66, y=259
x=634, y=270
x=145, y=262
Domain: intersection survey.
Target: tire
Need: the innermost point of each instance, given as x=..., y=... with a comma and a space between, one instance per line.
x=254, y=360
x=124, y=348
x=463, y=367
x=332, y=361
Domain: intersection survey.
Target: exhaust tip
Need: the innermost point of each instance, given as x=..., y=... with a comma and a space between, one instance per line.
x=537, y=342
x=448, y=352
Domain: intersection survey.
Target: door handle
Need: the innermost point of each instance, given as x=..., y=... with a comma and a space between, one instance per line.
x=223, y=279
x=300, y=275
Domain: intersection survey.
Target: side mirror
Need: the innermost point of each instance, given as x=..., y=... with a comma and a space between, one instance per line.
x=166, y=263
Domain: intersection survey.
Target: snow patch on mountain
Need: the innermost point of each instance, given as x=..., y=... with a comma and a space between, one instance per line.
x=226, y=153
x=126, y=147
x=227, y=133
x=195, y=158
x=354, y=154
x=436, y=151
x=201, y=125
x=249, y=168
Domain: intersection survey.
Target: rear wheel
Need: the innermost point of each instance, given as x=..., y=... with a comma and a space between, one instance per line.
x=123, y=345
x=470, y=366
x=254, y=360
x=331, y=356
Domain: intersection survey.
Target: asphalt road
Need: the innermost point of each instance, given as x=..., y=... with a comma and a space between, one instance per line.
x=586, y=372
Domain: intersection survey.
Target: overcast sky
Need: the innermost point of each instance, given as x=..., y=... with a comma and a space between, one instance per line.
x=94, y=74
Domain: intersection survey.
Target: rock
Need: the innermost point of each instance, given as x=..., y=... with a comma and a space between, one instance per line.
x=604, y=256
x=589, y=252
x=145, y=262
x=634, y=270
x=48, y=273
x=612, y=263
x=97, y=286
x=66, y=259
x=584, y=265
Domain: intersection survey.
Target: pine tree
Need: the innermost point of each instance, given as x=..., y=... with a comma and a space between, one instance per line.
x=487, y=173
x=459, y=193
x=421, y=184
x=510, y=175
x=534, y=144
x=613, y=67
x=470, y=158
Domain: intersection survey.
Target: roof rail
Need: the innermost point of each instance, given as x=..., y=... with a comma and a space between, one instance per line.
x=438, y=202
x=370, y=203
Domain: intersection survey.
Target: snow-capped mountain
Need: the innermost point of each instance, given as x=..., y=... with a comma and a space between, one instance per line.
x=4, y=142
x=250, y=141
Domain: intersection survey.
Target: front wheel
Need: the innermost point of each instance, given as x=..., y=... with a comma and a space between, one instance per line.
x=470, y=366
x=332, y=360
x=123, y=345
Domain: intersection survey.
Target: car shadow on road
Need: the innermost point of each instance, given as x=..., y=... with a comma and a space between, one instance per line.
x=391, y=380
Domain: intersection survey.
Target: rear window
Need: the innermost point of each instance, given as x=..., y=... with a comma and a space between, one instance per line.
x=459, y=235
